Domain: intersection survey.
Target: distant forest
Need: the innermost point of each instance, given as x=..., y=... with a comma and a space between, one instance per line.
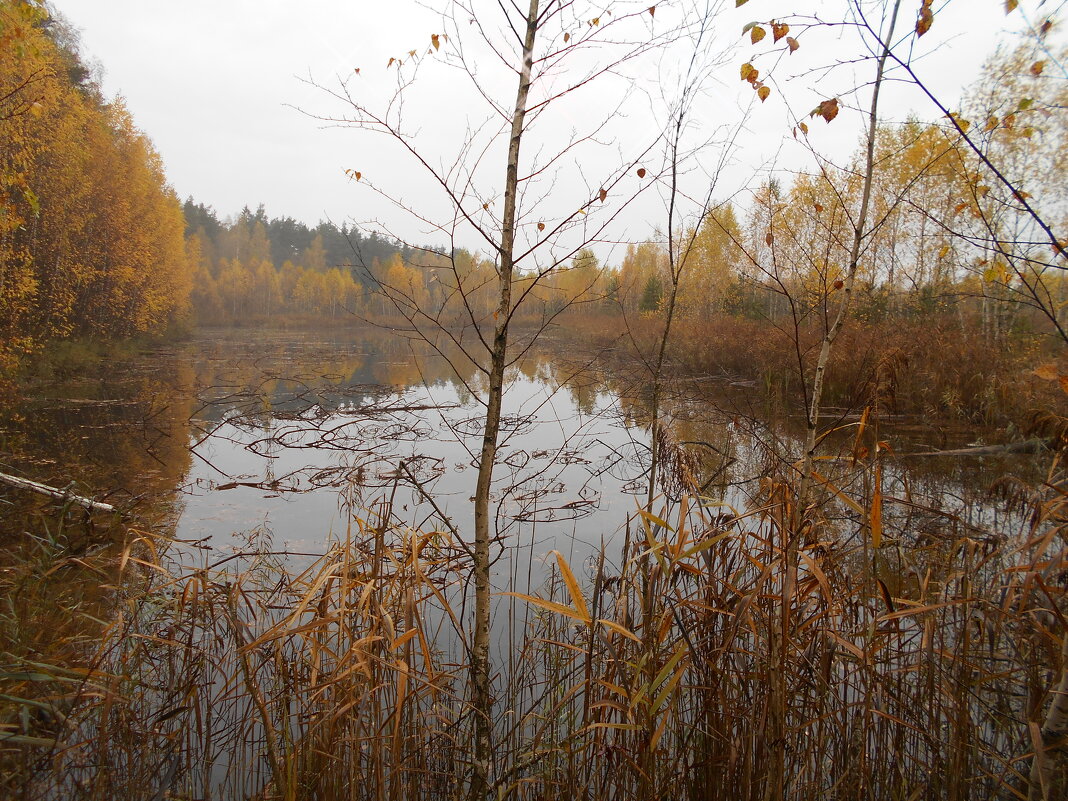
x=263, y=266
x=95, y=244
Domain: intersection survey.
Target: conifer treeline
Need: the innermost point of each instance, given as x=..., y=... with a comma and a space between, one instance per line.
x=90, y=234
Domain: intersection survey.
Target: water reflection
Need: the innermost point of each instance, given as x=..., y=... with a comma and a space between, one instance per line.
x=289, y=431
x=291, y=436
x=299, y=442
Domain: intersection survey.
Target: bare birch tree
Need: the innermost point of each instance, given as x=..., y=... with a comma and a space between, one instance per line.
x=566, y=59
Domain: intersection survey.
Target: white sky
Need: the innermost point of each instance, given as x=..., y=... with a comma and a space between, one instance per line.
x=214, y=83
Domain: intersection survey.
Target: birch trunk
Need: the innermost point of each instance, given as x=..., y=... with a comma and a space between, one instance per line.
x=860, y=233
x=482, y=779
x=1047, y=778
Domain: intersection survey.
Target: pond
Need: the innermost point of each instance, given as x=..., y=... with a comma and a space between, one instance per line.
x=314, y=489
x=237, y=431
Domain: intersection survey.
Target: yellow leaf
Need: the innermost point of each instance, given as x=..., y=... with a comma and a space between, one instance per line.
x=924, y=20
x=703, y=545
x=749, y=72
x=657, y=521
x=803, y=127
x=763, y=93
x=779, y=30
x=552, y=606
x=828, y=109
x=757, y=34
x=619, y=629
x=435, y=40
x=1010, y=6
x=572, y=586
x=1047, y=372
x=401, y=640
x=856, y=507
x=961, y=123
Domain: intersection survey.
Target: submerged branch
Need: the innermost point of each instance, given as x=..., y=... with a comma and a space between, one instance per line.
x=52, y=492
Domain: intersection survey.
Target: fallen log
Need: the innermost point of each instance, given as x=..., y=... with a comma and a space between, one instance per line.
x=63, y=495
x=1027, y=446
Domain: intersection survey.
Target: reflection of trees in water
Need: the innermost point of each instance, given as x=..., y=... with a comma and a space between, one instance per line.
x=943, y=540
x=122, y=435
x=290, y=373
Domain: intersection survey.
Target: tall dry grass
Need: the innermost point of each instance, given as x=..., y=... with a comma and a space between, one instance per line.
x=871, y=645
x=945, y=370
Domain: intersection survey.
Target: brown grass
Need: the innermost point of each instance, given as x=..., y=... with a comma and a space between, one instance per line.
x=899, y=651
x=937, y=366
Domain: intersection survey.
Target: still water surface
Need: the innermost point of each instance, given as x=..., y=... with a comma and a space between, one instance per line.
x=241, y=440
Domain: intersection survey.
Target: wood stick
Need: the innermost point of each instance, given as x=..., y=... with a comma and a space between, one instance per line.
x=1028, y=446
x=64, y=495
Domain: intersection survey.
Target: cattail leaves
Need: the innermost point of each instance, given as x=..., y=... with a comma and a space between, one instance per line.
x=578, y=610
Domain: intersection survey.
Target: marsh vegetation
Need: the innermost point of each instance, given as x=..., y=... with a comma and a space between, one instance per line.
x=775, y=507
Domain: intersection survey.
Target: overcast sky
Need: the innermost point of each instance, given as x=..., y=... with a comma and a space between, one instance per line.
x=216, y=84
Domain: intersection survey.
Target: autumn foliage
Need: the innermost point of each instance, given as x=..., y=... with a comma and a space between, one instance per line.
x=90, y=233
